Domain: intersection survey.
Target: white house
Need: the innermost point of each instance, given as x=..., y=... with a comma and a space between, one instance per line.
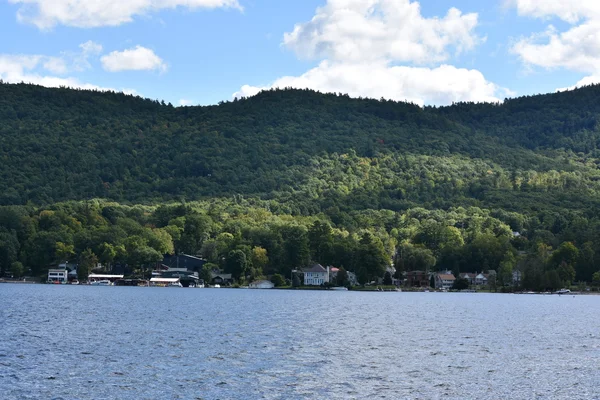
x=444, y=280
x=58, y=275
x=352, y=278
x=261, y=285
x=517, y=277
x=316, y=275
x=481, y=280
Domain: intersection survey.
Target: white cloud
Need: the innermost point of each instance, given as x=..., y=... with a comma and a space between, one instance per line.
x=360, y=30
x=576, y=49
x=588, y=80
x=571, y=11
x=363, y=44
x=56, y=65
x=30, y=69
x=46, y=14
x=90, y=48
x=137, y=59
x=41, y=69
x=442, y=85
x=185, y=102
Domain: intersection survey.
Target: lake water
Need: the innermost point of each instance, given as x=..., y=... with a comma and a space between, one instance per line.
x=81, y=342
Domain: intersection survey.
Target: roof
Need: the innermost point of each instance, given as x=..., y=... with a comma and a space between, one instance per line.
x=334, y=269
x=222, y=276
x=316, y=268
x=447, y=277
x=164, y=280
x=101, y=276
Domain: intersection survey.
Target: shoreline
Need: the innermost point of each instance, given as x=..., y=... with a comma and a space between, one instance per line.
x=363, y=290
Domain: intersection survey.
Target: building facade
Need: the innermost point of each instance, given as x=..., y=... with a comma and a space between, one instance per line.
x=58, y=275
x=316, y=275
x=444, y=281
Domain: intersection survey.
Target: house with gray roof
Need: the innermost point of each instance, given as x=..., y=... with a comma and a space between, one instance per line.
x=316, y=275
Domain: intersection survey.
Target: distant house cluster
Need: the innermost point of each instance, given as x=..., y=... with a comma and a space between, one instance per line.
x=317, y=275
x=476, y=279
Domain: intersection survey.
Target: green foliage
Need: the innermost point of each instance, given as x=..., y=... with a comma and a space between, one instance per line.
x=278, y=280
x=387, y=279
x=17, y=269
x=460, y=284
x=237, y=264
x=87, y=262
x=371, y=258
x=269, y=184
x=596, y=278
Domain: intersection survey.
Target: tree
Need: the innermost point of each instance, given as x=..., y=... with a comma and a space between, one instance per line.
x=296, y=251
x=586, y=263
x=505, y=273
x=108, y=253
x=436, y=236
x=197, y=228
x=237, y=264
x=160, y=240
x=278, y=280
x=387, y=279
x=17, y=270
x=566, y=272
x=413, y=258
x=320, y=236
x=9, y=247
x=259, y=257
x=371, y=258
x=551, y=280
x=145, y=257
x=566, y=253
x=64, y=252
x=206, y=272
x=342, y=277
x=596, y=278
x=296, y=282
x=460, y=284
x=87, y=261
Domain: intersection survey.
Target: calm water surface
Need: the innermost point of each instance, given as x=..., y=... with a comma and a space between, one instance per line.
x=80, y=342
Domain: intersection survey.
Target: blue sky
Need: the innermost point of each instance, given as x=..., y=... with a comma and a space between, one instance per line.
x=204, y=51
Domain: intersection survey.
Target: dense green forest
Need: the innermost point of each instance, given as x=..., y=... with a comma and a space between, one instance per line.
x=268, y=184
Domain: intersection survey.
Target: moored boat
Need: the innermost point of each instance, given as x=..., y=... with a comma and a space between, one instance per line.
x=104, y=282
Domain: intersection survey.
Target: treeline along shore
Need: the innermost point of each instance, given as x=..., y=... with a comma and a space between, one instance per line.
x=267, y=185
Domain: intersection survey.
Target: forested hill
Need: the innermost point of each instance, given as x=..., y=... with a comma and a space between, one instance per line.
x=270, y=184
x=307, y=150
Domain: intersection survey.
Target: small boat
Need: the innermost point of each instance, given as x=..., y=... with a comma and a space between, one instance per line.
x=339, y=288
x=217, y=286
x=104, y=282
x=175, y=284
x=563, y=291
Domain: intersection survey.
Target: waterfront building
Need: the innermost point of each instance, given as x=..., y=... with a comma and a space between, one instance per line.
x=58, y=275
x=444, y=280
x=417, y=279
x=316, y=275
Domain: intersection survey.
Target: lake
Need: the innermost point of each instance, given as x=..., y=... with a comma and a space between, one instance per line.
x=82, y=342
